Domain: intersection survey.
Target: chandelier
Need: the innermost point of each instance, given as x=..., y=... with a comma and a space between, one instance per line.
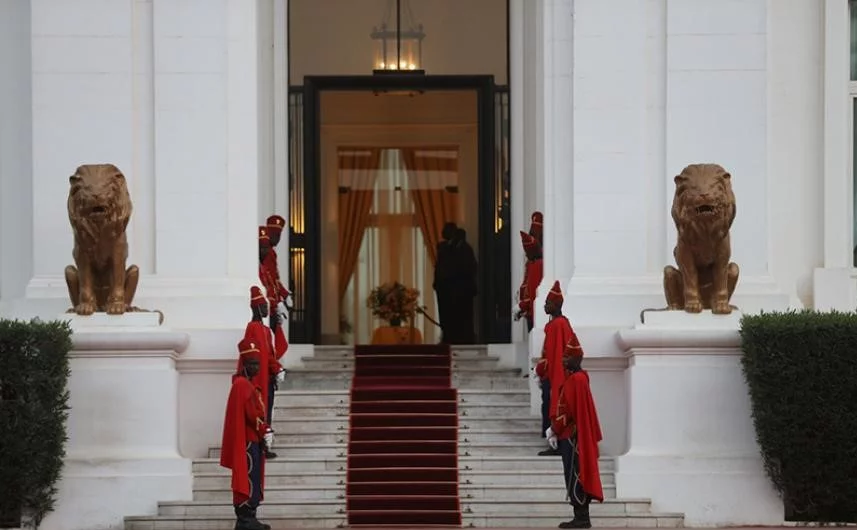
x=400, y=50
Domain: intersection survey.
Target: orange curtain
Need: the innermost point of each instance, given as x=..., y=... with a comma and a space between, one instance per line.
x=433, y=180
x=358, y=169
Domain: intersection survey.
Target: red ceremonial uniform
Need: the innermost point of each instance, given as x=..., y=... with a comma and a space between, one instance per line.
x=576, y=414
x=536, y=221
x=275, y=225
x=265, y=274
x=557, y=334
x=259, y=334
x=533, y=273
x=244, y=423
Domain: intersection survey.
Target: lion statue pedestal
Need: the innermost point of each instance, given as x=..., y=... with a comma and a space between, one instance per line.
x=691, y=442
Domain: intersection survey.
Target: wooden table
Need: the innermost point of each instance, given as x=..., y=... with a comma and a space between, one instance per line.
x=397, y=335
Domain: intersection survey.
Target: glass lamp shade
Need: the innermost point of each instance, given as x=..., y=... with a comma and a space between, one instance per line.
x=390, y=57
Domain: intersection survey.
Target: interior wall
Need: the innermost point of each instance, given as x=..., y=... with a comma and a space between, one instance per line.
x=363, y=119
x=331, y=37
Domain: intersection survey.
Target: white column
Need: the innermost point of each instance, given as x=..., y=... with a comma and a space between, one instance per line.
x=835, y=285
x=838, y=213
x=655, y=135
x=242, y=103
x=518, y=212
x=610, y=141
x=170, y=93
x=555, y=150
x=16, y=190
x=141, y=231
x=82, y=111
x=281, y=128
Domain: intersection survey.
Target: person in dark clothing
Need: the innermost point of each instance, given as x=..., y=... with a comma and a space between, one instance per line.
x=467, y=269
x=455, y=285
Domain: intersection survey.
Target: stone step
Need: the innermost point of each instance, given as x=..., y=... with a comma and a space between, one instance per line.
x=515, y=492
x=517, y=464
x=300, y=397
x=471, y=435
x=341, y=352
x=220, y=479
x=522, y=520
x=473, y=395
x=525, y=520
x=206, y=522
x=337, y=379
x=484, y=362
x=336, y=408
x=518, y=450
x=331, y=507
x=468, y=492
x=273, y=493
x=321, y=424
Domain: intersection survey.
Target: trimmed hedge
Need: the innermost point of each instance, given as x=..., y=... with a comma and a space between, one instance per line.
x=801, y=369
x=34, y=371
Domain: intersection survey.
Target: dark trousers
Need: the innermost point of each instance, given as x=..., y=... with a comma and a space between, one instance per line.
x=530, y=328
x=272, y=387
x=455, y=312
x=546, y=404
x=254, y=472
x=571, y=470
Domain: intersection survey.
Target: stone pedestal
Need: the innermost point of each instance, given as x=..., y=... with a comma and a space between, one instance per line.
x=122, y=455
x=691, y=441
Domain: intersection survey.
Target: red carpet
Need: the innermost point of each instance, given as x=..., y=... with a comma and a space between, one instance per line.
x=403, y=438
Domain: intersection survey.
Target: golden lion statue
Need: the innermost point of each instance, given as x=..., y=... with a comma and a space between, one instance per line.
x=99, y=208
x=703, y=211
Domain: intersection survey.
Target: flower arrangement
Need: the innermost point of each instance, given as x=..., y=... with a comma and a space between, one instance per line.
x=392, y=301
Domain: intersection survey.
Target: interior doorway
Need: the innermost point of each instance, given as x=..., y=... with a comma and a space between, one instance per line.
x=392, y=205
x=481, y=193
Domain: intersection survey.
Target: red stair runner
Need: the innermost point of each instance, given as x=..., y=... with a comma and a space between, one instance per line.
x=403, y=438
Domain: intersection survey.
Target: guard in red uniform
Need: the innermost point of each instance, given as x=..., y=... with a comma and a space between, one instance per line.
x=549, y=369
x=536, y=220
x=268, y=276
x=270, y=353
x=533, y=272
x=576, y=432
x=275, y=225
x=245, y=436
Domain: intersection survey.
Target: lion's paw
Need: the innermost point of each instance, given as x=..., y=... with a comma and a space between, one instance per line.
x=84, y=308
x=115, y=307
x=721, y=307
x=693, y=306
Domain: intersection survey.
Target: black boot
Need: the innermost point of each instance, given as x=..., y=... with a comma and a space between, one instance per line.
x=265, y=526
x=549, y=452
x=270, y=455
x=581, y=517
x=247, y=520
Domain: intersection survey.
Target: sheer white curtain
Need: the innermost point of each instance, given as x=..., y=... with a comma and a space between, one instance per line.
x=393, y=249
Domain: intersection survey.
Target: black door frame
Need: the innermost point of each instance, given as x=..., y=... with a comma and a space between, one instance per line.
x=484, y=87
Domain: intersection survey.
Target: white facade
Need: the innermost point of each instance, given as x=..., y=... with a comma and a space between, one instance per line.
x=611, y=99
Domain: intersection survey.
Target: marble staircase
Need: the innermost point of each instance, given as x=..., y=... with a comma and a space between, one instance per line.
x=502, y=481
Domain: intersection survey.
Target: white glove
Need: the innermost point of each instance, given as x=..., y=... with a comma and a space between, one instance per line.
x=552, y=441
x=269, y=438
x=549, y=433
x=281, y=310
x=281, y=376
x=515, y=310
x=290, y=303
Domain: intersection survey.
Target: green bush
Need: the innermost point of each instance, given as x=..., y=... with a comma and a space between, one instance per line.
x=801, y=369
x=34, y=371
